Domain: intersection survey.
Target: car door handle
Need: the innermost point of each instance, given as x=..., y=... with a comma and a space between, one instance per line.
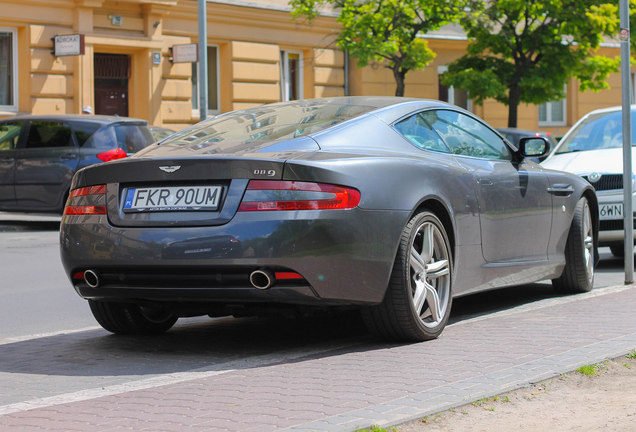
x=485, y=182
x=68, y=156
x=561, y=189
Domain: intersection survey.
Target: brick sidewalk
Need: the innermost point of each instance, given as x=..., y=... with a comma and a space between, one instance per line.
x=367, y=384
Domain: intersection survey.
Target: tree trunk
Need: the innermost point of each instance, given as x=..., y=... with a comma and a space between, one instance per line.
x=399, y=75
x=514, y=94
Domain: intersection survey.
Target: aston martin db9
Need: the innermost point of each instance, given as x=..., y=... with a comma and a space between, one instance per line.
x=390, y=206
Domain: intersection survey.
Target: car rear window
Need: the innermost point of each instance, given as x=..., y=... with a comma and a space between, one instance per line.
x=129, y=137
x=84, y=130
x=249, y=129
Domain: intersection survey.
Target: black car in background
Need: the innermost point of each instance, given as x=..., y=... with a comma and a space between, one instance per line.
x=39, y=155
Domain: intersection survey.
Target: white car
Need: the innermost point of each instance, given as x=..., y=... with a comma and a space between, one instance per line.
x=593, y=149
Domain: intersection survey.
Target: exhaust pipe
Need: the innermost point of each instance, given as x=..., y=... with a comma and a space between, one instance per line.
x=91, y=278
x=262, y=279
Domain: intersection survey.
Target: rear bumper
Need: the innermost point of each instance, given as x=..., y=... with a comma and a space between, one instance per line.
x=344, y=257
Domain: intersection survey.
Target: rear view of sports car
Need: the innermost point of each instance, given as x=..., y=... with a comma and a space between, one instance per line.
x=391, y=206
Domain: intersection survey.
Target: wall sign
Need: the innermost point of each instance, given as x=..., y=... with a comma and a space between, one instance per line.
x=156, y=57
x=68, y=45
x=187, y=53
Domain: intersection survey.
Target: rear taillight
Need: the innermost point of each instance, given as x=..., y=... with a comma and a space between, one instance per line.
x=267, y=195
x=112, y=155
x=90, y=200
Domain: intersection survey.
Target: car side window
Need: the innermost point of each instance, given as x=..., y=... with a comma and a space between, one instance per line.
x=9, y=135
x=48, y=134
x=466, y=136
x=420, y=133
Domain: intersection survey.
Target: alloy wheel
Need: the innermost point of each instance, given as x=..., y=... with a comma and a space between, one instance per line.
x=430, y=274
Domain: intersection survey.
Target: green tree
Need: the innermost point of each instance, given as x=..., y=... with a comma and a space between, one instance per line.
x=386, y=31
x=525, y=51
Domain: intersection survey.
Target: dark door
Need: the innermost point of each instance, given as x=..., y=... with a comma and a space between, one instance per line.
x=513, y=198
x=45, y=165
x=9, y=137
x=112, y=72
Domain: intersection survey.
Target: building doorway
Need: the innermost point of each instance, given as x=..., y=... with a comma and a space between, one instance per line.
x=112, y=72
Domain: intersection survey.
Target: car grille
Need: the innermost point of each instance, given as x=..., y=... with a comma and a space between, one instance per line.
x=607, y=182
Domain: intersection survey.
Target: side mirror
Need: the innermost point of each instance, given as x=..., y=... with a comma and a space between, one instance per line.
x=534, y=147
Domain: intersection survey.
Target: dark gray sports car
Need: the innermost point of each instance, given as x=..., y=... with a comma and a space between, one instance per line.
x=388, y=205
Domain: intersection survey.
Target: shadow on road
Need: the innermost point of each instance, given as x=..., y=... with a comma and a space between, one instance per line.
x=213, y=344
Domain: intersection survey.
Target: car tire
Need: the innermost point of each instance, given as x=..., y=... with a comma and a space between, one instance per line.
x=130, y=319
x=578, y=273
x=418, y=300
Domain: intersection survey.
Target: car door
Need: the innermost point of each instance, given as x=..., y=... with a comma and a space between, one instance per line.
x=45, y=165
x=9, y=137
x=514, y=204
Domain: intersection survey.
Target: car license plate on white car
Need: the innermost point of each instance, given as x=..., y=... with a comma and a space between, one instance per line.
x=175, y=198
x=611, y=211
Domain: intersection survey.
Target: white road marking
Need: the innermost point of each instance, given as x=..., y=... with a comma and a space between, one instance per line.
x=166, y=379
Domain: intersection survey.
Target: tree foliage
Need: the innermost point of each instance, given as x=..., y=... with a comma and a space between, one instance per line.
x=527, y=50
x=387, y=31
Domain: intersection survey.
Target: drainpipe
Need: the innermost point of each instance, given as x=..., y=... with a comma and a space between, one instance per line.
x=346, y=73
x=203, y=60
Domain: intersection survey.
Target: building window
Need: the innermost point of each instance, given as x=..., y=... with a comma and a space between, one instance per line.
x=213, y=83
x=291, y=75
x=552, y=113
x=8, y=70
x=451, y=94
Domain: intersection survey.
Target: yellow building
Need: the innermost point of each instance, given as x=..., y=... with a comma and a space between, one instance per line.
x=256, y=54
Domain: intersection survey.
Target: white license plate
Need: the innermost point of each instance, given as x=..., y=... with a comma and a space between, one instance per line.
x=611, y=211
x=173, y=198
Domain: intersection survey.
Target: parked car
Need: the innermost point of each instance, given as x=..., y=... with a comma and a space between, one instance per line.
x=393, y=206
x=39, y=155
x=159, y=133
x=593, y=149
x=514, y=135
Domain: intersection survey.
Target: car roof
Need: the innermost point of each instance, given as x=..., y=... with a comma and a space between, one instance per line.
x=105, y=119
x=608, y=110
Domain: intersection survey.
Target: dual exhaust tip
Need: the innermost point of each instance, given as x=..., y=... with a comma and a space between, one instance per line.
x=261, y=279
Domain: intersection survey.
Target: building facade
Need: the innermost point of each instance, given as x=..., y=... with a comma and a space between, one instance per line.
x=128, y=62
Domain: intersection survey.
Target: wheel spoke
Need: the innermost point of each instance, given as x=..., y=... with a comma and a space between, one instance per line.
x=417, y=261
x=432, y=298
x=419, y=296
x=428, y=243
x=588, y=241
x=437, y=269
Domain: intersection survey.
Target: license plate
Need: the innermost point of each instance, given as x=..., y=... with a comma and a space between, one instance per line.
x=175, y=198
x=611, y=211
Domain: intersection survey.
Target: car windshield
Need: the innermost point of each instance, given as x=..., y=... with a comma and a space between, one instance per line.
x=129, y=137
x=248, y=129
x=598, y=131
